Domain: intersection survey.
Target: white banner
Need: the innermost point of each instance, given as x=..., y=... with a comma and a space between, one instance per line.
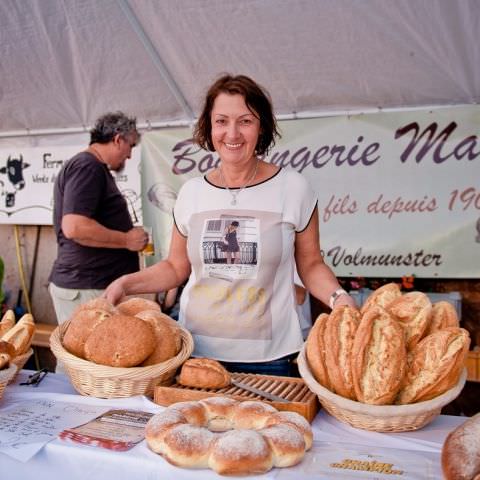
x=398, y=193
x=27, y=178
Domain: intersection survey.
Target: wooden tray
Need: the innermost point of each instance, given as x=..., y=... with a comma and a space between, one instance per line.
x=301, y=399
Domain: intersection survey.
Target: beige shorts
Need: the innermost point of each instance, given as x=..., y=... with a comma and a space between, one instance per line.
x=66, y=300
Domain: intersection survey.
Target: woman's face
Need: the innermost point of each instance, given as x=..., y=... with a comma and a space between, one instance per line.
x=235, y=129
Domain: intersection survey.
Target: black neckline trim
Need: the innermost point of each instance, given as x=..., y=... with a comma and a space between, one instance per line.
x=249, y=186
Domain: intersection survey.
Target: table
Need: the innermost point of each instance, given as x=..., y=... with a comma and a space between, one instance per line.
x=59, y=459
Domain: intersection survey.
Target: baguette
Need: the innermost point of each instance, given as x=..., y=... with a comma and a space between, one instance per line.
x=4, y=360
x=7, y=322
x=21, y=335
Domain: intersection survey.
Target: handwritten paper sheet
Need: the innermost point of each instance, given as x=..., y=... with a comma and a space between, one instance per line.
x=26, y=427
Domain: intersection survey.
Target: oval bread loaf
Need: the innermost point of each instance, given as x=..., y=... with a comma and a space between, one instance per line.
x=315, y=350
x=434, y=366
x=339, y=336
x=204, y=373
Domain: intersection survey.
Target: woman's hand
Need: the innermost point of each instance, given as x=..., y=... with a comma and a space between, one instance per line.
x=115, y=292
x=346, y=300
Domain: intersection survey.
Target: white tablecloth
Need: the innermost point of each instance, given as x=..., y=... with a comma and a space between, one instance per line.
x=59, y=459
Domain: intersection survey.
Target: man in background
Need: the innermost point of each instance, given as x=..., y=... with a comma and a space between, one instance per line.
x=96, y=239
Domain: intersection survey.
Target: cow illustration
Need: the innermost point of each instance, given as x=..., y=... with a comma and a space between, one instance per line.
x=14, y=176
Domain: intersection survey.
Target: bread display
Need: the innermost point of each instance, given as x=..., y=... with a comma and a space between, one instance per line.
x=461, y=451
x=338, y=336
x=413, y=311
x=379, y=358
x=204, y=373
x=385, y=354
x=253, y=438
x=102, y=333
x=434, y=365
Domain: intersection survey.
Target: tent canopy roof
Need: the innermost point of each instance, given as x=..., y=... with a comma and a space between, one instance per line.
x=65, y=62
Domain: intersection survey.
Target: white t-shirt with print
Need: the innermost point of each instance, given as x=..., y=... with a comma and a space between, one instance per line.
x=245, y=311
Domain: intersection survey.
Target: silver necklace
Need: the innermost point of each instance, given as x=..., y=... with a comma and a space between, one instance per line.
x=235, y=193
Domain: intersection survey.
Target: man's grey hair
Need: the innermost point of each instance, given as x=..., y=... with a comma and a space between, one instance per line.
x=111, y=124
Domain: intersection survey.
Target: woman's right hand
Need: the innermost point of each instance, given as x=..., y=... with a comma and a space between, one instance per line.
x=115, y=292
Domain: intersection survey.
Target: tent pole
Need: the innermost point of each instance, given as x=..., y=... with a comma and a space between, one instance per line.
x=157, y=59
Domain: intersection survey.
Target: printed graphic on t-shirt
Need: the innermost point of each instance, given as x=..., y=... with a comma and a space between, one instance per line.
x=230, y=247
x=233, y=273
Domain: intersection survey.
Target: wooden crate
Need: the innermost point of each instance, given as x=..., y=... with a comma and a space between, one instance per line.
x=473, y=366
x=301, y=399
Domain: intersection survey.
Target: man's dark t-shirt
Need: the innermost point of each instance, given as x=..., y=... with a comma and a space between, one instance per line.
x=85, y=186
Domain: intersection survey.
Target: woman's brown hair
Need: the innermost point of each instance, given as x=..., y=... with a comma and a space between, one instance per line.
x=258, y=102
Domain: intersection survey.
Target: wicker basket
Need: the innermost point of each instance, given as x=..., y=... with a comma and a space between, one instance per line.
x=102, y=381
x=20, y=361
x=5, y=376
x=378, y=418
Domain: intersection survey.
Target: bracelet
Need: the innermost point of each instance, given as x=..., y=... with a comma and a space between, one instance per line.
x=337, y=293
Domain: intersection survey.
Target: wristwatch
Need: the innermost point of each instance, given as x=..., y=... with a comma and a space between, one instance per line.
x=337, y=293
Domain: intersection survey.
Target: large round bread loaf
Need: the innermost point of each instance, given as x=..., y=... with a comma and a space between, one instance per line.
x=81, y=325
x=120, y=341
x=461, y=451
x=315, y=350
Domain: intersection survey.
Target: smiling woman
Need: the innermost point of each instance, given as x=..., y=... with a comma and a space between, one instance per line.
x=239, y=232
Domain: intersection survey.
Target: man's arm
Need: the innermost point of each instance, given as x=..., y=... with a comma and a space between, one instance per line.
x=90, y=233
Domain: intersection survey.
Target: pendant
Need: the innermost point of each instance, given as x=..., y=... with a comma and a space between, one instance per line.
x=234, y=201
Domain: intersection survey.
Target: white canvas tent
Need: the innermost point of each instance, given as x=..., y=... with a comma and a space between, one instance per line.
x=65, y=62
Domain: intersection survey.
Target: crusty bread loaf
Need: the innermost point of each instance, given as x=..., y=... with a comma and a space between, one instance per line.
x=168, y=340
x=434, y=365
x=382, y=296
x=98, y=303
x=315, y=351
x=21, y=334
x=443, y=315
x=7, y=348
x=135, y=305
x=81, y=325
x=158, y=316
x=339, y=336
x=5, y=359
x=461, y=451
x=120, y=341
x=413, y=311
x=204, y=373
x=7, y=322
x=379, y=358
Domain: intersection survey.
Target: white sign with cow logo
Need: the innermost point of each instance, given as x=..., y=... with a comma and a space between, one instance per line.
x=27, y=178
